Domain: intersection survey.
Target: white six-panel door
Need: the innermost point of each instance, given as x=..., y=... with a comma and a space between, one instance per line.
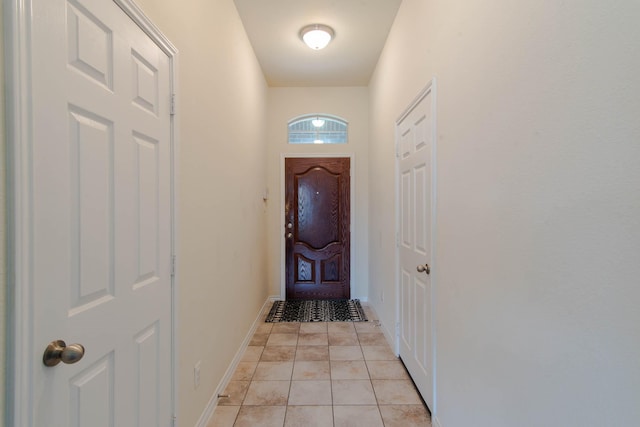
x=414, y=139
x=100, y=219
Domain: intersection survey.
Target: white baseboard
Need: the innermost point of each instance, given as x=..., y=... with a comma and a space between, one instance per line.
x=391, y=339
x=388, y=334
x=213, y=402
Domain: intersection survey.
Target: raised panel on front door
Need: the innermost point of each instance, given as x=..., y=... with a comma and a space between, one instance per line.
x=331, y=269
x=318, y=207
x=89, y=45
x=92, y=395
x=146, y=165
x=91, y=148
x=147, y=367
x=306, y=269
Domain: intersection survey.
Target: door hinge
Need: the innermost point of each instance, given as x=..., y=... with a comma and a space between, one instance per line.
x=397, y=150
x=397, y=329
x=172, y=104
x=173, y=266
x=397, y=239
x=173, y=421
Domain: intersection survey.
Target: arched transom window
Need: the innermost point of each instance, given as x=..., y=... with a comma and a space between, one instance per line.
x=317, y=129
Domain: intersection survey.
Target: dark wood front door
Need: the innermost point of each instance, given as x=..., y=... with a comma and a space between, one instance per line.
x=317, y=228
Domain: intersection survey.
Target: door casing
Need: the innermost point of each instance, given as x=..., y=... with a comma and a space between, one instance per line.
x=17, y=33
x=430, y=88
x=352, y=214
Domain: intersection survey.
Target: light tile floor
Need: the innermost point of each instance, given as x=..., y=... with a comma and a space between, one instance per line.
x=332, y=374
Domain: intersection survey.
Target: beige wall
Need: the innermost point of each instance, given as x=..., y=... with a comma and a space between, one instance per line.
x=221, y=110
x=3, y=275
x=538, y=187
x=403, y=70
x=538, y=201
x=350, y=103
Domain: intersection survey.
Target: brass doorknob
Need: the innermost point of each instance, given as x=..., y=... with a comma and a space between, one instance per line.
x=58, y=351
x=424, y=269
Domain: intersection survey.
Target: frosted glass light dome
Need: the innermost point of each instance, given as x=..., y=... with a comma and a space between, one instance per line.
x=317, y=36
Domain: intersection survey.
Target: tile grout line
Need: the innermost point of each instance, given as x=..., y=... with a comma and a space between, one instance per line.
x=295, y=361
x=286, y=408
x=371, y=381
x=333, y=412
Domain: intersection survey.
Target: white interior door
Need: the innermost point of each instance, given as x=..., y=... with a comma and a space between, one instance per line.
x=100, y=220
x=414, y=139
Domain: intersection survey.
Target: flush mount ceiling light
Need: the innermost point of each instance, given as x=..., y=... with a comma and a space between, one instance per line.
x=317, y=122
x=317, y=36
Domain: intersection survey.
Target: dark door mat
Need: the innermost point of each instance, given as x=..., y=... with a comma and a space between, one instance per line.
x=317, y=311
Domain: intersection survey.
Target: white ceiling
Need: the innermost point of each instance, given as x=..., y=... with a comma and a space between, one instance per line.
x=361, y=28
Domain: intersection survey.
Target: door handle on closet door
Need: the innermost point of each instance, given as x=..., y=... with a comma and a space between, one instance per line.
x=58, y=351
x=424, y=269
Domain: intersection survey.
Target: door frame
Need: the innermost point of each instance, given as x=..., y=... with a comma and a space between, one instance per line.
x=352, y=210
x=430, y=88
x=19, y=204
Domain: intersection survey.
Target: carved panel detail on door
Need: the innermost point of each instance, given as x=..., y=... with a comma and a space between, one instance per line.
x=318, y=221
x=331, y=269
x=306, y=269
